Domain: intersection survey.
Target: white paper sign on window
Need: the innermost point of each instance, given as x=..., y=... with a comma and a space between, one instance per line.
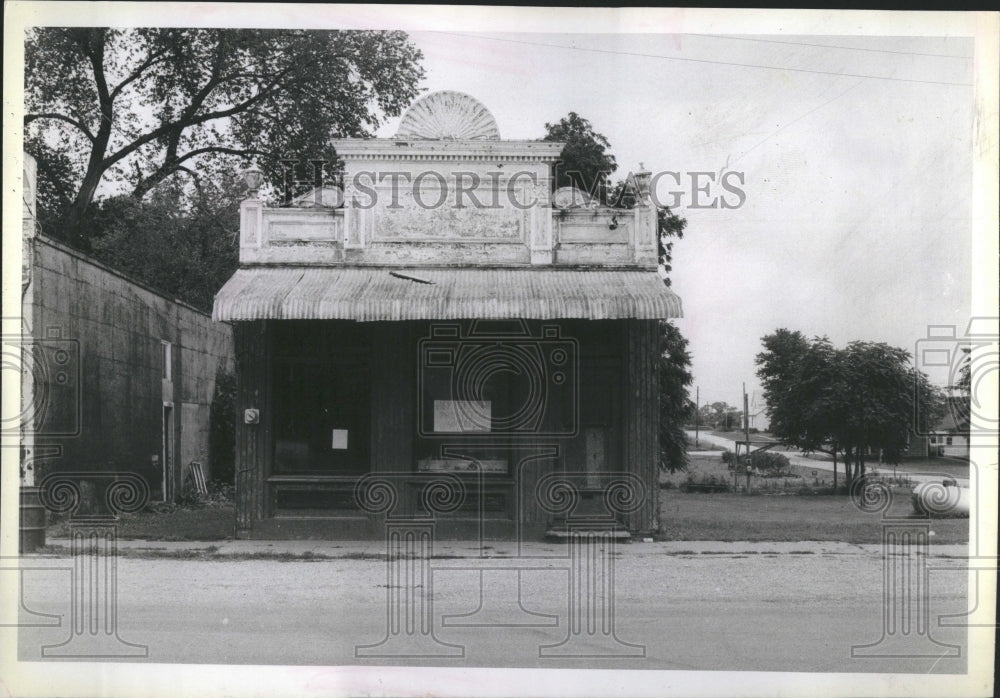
x=340, y=439
x=461, y=416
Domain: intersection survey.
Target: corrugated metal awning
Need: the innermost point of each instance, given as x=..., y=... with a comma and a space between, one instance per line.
x=370, y=294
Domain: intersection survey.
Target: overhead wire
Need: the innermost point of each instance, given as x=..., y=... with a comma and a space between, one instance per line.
x=705, y=60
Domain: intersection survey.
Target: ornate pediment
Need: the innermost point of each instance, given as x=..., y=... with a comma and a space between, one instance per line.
x=448, y=115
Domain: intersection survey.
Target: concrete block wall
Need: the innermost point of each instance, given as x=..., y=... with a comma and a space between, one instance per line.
x=116, y=325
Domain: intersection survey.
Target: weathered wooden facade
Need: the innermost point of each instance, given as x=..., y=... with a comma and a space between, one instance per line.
x=445, y=317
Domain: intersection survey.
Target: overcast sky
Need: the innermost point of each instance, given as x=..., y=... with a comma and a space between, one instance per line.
x=855, y=151
x=856, y=154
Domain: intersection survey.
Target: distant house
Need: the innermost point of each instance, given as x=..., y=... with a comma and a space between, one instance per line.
x=949, y=437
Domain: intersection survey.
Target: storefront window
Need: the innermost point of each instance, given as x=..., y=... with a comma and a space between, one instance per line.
x=321, y=420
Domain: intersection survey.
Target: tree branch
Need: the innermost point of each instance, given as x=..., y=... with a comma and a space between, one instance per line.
x=175, y=165
x=152, y=60
x=28, y=118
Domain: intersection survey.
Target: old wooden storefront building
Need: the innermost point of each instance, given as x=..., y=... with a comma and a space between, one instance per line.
x=443, y=317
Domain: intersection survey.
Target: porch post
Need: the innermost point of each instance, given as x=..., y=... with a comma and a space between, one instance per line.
x=642, y=415
x=252, y=413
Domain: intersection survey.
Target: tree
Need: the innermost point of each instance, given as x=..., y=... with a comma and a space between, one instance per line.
x=848, y=401
x=138, y=106
x=720, y=415
x=584, y=162
x=674, y=375
x=182, y=245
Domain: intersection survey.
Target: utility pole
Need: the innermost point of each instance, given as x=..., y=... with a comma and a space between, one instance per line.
x=697, y=410
x=746, y=432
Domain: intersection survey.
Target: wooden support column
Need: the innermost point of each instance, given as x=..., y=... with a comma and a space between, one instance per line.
x=252, y=393
x=641, y=419
x=393, y=404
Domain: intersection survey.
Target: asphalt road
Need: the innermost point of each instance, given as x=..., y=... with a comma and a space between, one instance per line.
x=737, y=606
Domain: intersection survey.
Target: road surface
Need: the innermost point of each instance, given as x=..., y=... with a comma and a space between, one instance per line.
x=689, y=605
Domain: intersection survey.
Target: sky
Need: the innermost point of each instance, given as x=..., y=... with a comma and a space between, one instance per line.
x=855, y=154
x=852, y=134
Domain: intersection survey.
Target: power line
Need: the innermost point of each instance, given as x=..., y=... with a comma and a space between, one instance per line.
x=705, y=60
x=844, y=48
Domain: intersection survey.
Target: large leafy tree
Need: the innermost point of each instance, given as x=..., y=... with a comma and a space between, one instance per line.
x=720, y=415
x=848, y=401
x=134, y=107
x=183, y=244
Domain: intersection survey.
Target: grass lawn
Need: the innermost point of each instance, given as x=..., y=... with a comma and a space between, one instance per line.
x=956, y=467
x=196, y=523
x=739, y=434
x=739, y=517
x=683, y=515
x=780, y=517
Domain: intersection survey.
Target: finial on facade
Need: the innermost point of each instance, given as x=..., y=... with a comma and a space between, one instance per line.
x=642, y=180
x=253, y=177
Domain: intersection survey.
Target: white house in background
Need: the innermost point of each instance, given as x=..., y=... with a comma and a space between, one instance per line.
x=951, y=435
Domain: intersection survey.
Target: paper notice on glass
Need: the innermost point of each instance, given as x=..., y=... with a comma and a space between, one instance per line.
x=340, y=439
x=456, y=416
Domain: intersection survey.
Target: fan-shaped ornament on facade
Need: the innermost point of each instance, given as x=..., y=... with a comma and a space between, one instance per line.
x=448, y=115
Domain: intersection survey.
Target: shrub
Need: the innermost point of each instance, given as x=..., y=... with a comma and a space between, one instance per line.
x=222, y=428
x=706, y=483
x=770, y=464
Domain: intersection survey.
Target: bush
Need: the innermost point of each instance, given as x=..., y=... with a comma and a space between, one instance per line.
x=222, y=429
x=706, y=483
x=770, y=464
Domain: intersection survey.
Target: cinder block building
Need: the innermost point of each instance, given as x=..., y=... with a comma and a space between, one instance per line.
x=115, y=375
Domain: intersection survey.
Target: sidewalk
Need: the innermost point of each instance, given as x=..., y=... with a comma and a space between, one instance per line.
x=375, y=550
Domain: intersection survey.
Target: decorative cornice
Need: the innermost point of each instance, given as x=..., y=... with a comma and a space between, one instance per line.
x=353, y=149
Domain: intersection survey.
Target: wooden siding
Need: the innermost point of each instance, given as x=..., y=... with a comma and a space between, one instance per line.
x=393, y=401
x=642, y=415
x=624, y=352
x=252, y=378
